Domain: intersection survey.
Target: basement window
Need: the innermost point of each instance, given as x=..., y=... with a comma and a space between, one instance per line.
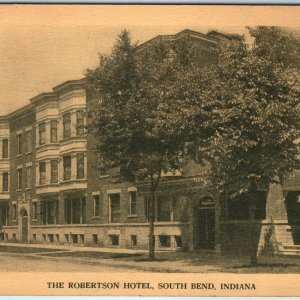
x=178, y=241
x=165, y=241
x=51, y=238
x=114, y=240
x=74, y=238
x=134, y=240
x=95, y=239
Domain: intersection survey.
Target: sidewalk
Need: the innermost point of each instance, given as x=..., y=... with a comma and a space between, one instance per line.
x=75, y=248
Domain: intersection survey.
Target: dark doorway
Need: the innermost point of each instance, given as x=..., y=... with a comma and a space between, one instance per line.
x=24, y=230
x=205, y=225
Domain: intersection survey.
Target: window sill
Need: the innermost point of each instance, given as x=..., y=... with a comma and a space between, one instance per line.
x=46, y=184
x=4, y=158
x=27, y=153
x=19, y=190
x=34, y=220
x=95, y=217
x=132, y=216
x=14, y=221
x=20, y=155
x=103, y=176
x=28, y=188
x=73, y=180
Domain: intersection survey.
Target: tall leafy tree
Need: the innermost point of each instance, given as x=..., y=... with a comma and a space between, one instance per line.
x=140, y=96
x=259, y=93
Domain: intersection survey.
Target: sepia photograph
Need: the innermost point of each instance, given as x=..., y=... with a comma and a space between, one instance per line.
x=157, y=140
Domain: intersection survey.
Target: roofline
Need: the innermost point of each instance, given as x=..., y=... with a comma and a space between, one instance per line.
x=20, y=111
x=43, y=96
x=69, y=83
x=176, y=36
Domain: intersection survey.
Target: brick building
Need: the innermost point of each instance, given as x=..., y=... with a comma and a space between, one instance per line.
x=51, y=192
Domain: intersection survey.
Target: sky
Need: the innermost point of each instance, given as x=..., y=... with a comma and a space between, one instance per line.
x=42, y=46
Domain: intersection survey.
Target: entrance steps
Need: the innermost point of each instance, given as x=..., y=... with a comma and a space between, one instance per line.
x=289, y=249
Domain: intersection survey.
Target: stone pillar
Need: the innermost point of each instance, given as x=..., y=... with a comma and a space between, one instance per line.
x=48, y=171
x=275, y=205
x=37, y=174
x=47, y=133
x=73, y=166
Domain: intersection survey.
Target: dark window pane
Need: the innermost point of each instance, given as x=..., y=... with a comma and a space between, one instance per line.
x=42, y=170
x=79, y=123
x=53, y=130
x=54, y=171
x=42, y=133
x=80, y=165
x=67, y=125
x=67, y=167
x=163, y=209
x=5, y=182
x=5, y=148
x=115, y=208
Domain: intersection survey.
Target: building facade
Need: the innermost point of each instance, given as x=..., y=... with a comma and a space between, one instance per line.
x=51, y=191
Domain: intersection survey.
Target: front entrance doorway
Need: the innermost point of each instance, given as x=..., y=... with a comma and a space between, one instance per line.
x=24, y=225
x=205, y=225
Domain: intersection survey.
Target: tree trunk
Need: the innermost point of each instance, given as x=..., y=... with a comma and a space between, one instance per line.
x=252, y=231
x=151, y=225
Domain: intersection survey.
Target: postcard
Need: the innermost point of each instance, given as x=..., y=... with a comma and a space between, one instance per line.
x=149, y=150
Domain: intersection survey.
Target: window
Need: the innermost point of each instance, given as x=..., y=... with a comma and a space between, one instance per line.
x=49, y=210
x=28, y=177
x=164, y=209
x=114, y=240
x=20, y=178
x=42, y=171
x=53, y=131
x=4, y=208
x=96, y=205
x=75, y=210
x=42, y=134
x=34, y=238
x=34, y=210
x=132, y=199
x=103, y=170
x=114, y=208
x=133, y=240
x=95, y=239
x=74, y=238
x=165, y=240
x=54, y=171
x=50, y=238
x=67, y=167
x=28, y=141
x=5, y=182
x=178, y=241
x=19, y=141
x=79, y=123
x=67, y=125
x=14, y=212
x=5, y=148
x=80, y=165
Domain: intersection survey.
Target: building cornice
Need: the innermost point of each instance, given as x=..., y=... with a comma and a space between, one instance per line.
x=43, y=97
x=69, y=85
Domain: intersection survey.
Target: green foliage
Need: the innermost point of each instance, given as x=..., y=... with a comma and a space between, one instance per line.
x=125, y=116
x=258, y=111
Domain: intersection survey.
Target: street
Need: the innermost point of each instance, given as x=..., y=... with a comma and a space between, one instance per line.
x=58, y=258
x=35, y=262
